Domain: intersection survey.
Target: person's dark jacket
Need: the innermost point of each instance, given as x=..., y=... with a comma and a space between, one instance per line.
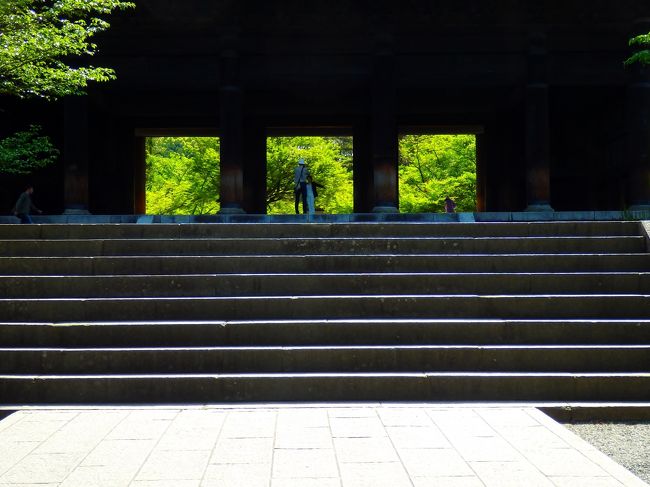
x=24, y=204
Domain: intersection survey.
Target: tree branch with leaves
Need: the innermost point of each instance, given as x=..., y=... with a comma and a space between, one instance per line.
x=26, y=151
x=38, y=38
x=642, y=56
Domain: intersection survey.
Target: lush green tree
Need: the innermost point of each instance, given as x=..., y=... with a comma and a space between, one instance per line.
x=330, y=163
x=39, y=39
x=432, y=167
x=643, y=55
x=182, y=175
x=26, y=151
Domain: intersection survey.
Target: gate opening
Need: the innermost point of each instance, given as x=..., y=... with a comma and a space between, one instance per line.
x=435, y=167
x=329, y=161
x=182, y=175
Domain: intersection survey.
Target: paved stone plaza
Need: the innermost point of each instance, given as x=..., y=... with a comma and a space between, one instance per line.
x=301, y=446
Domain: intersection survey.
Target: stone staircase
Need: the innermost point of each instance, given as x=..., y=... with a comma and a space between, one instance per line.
x=213, y=313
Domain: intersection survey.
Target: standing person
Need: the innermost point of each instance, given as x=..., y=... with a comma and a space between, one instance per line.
x=24, y=205
x=300, y=175
x=312, y=193
x=450, y=205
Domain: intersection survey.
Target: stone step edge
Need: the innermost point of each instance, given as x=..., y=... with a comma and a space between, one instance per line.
x=374, y=256
x=325, y=348
x=338, y=322
x=335, y=321
x=352, y=405
x=334, y=375
x=336, y=238
x=305, y=243
x=329, y=275
x=485, y=217
x=344, y=296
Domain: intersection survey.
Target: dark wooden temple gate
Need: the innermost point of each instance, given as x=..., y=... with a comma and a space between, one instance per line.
x=561, y=123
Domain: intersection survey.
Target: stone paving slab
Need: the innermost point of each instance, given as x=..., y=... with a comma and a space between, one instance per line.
x=299, y=446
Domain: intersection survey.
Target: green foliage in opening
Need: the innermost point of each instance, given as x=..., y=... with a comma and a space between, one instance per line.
x=182, y=175
x=330, y=163
x=26, y=151
x=38, y=38
x=432, y=167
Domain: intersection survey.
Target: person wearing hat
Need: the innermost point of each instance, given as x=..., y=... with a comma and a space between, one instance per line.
x=300, y=177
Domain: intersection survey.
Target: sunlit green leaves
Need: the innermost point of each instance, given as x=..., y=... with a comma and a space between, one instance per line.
x=38, y=38
x=433, y=167
x=182, y=175
x=26, y=151
x=642, y=56
x=330, y=163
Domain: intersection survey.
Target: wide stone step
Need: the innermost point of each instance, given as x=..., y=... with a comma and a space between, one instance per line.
x=312, y=230
x=305, y=246
x=339, y=359
x=425, y=386
x=229, y=264
x=223, y=285
x=329, y=307
x=323, y=332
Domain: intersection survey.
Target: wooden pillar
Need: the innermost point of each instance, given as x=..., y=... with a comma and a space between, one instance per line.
x=140, y=176
x=362, y=173
x=75, y=155
x=638, y=127
x=254, y=168
x=383, y=131
x=538, y=154
x=231, y=132
x=481, y=185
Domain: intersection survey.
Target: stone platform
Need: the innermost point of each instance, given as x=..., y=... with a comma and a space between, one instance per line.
x=323, y=445
x=494, y=216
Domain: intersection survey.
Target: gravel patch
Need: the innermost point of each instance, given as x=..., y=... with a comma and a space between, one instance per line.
x=626, y=443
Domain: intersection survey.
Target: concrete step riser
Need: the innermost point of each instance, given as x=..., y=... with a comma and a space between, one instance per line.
x=328, y=307
x=324, y=333
x=280, y=230
x=388, y=387
x=301, y=246
x=321, y=284
x=169, y=265
x=324, y=360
